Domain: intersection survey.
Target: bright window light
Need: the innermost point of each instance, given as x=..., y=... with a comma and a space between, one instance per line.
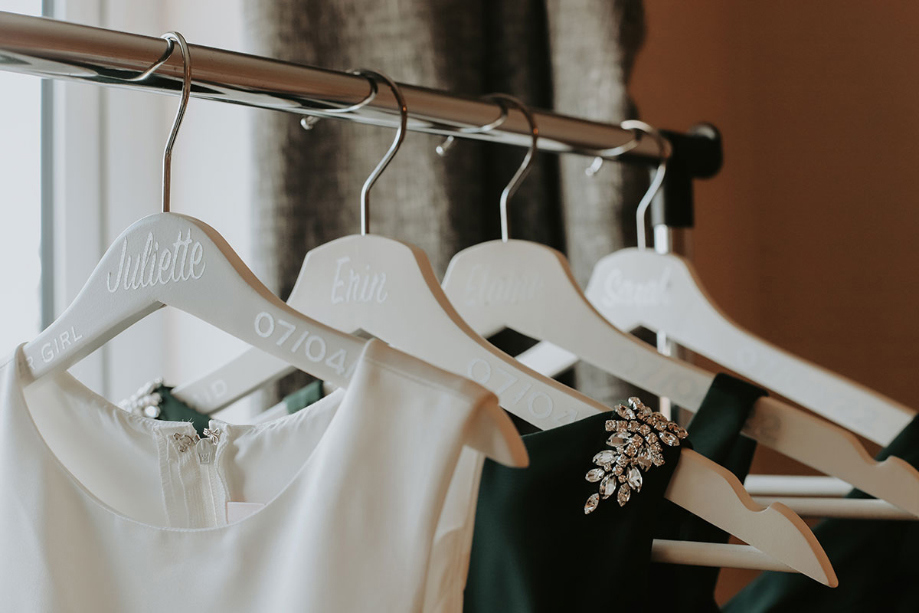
x=20, y=203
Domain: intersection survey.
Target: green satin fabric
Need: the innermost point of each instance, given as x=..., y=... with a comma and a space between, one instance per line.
x=715, y=433
x=534, y=550
x=877, y=562
x=303, y=397
x=173, y=409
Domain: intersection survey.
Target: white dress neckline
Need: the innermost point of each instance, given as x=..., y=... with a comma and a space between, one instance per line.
x=70, y=385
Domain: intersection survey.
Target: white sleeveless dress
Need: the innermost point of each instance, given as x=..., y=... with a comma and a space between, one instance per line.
x=321, y=511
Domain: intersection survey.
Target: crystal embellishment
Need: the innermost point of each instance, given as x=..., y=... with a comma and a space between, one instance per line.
x=635, y=442
x=625, y=492
x=592, y=503
x=608, y=486
x=617, y=440
x=625, y=412
x=605, y=457
x=595, y=475
x=146, y=401
x=669, y=438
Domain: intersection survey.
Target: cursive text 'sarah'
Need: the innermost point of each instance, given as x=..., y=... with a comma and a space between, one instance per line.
x=150, y=266
x=619, y=291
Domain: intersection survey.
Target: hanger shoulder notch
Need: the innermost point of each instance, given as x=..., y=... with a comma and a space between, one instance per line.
x=713, y=493
x=833, y=451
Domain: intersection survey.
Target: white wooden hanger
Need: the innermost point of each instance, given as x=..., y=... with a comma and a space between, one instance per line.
x=388, y=289
x=175, y=260
x=639, y=287
x=530, y=288
x=663, y=292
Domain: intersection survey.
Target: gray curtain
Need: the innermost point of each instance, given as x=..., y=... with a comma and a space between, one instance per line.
x=574, y=56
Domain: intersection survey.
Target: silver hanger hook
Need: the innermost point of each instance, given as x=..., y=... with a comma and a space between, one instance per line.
x=310, y=121
x=525, y=165
x=612, y=152
x=663, y=148
x=171, y=39
x=393, y=148
x=180, y=114
x=444, y=147
x=170, y=45
x=502, y=100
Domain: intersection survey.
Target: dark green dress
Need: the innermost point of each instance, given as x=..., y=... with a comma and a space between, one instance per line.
x=715, y=433
x=535, y=551
x=877, y=562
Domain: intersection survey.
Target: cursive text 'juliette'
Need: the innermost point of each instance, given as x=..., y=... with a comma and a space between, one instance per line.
x=150, y=266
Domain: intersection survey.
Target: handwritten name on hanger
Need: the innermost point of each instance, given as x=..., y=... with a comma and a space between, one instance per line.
x=154, y=267
x=620, y=291
x=484, y=287
x=350, y=285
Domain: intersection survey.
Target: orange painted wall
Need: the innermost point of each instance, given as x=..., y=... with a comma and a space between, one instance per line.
x=810, y=235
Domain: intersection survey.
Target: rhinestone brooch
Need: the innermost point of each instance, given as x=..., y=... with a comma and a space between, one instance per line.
x=145, y=401
x=635, y=446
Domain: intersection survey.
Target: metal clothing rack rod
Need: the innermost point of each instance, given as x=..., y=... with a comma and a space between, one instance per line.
x=63, y=50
